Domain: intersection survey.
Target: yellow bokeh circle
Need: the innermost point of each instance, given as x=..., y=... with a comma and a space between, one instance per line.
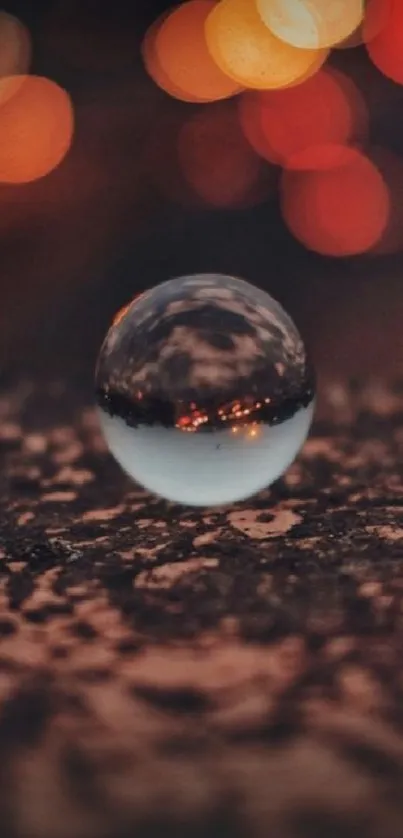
x=247, y=51
x=311, y=24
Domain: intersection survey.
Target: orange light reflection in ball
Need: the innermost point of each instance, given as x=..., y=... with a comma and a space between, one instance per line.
x=178, y=60
x=386, y=49
x=36, y=129
x=218, y=162
x=245, y=49
x=340, y=210
x=327, y=108
x=121, y=313
x=311, y=24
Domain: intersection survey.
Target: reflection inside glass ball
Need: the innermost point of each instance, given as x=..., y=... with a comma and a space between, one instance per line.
x=204, y=389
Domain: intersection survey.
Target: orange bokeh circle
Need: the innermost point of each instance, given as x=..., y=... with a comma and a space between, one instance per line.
x=341, y=209
x=177, y=57
x=245, y=49
x=154, y=67
x=36, y=129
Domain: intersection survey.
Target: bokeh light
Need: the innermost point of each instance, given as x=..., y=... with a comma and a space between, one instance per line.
x=162, y=165
x=15, y=54
x=321, y=56
x=390, y=165
x=36, y=129
x=15, y=46
x=375, y=18
x=327, y=108
x=177, y=58
x=218, y=162
x=386, y=49
x=245, y=49
x=339, y=210
x=154, y=67
x=311, y=24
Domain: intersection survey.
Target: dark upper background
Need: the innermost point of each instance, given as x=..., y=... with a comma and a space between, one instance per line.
x=77, y=244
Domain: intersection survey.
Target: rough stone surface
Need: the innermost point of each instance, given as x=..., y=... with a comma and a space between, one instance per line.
x=224, y=673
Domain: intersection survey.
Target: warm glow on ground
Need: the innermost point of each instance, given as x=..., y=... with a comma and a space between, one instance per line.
x=245, y=49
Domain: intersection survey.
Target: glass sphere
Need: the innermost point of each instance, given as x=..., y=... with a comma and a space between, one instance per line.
x=204, y=390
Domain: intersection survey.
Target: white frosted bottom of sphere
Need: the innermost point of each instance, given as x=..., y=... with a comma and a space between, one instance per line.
x=206, y=469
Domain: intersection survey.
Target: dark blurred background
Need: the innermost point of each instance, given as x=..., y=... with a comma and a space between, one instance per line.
x=78, y=243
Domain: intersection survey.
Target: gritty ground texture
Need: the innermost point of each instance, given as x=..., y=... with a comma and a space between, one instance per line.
x=222, y=673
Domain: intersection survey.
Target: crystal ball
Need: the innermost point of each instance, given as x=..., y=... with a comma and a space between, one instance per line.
x=204, y=390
